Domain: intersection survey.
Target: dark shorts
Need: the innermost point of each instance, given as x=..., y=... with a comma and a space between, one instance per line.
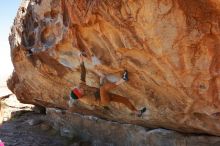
x=73, y=96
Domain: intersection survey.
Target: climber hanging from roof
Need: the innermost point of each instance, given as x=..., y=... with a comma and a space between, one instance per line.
x=102, y=95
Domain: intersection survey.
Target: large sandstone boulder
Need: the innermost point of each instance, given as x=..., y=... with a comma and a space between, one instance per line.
x=170, y=48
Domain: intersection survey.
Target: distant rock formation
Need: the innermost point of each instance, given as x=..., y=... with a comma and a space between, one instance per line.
x=1, y=106
x=171, y=50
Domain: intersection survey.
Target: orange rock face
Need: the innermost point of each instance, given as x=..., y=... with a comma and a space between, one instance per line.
x=171, y=50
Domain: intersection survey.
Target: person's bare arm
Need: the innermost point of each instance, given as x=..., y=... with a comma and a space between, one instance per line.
x=82, y=67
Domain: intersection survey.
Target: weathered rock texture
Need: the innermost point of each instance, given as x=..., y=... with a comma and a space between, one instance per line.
x=170, y=48
x=105, y=133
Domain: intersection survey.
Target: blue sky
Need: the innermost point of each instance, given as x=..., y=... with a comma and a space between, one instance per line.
x=8, y=10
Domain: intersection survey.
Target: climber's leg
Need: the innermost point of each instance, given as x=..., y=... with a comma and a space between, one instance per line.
x=105, y=98
x=101, y=75
x=123, y=100
x=109, y=86
x=104, y=95
x=126, y=102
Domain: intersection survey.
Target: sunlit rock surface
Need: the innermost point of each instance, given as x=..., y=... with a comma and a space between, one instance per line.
x=170, y=48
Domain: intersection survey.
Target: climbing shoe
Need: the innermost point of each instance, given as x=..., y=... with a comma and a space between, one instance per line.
x=125, y=75
x=141, y=111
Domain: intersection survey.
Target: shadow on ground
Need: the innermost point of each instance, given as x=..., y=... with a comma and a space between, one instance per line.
x=25, y=126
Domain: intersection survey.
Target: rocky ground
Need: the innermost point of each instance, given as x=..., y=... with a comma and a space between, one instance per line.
x=21, y=132
x=24, y=126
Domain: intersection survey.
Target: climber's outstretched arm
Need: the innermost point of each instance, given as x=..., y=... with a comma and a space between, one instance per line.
x=82, y=68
